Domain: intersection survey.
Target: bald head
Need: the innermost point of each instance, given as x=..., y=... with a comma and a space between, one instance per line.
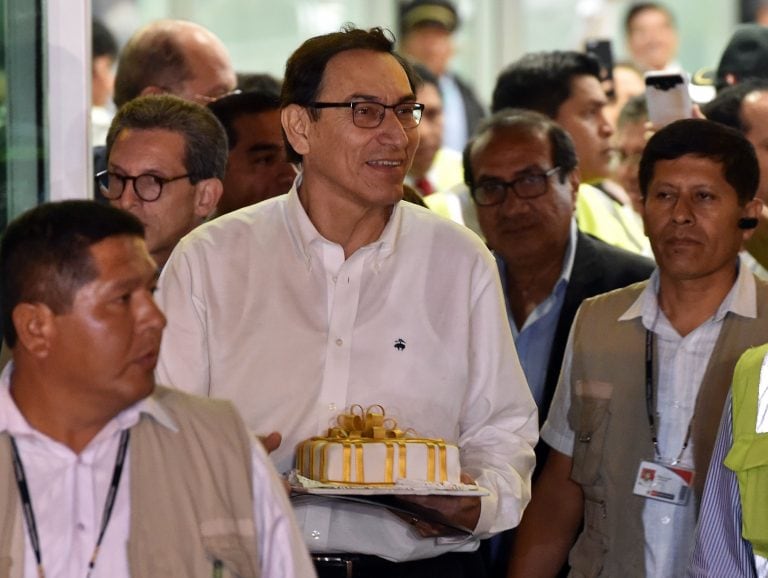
x=176, y=57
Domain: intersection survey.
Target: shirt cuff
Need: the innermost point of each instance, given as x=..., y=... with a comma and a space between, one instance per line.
x=562, y=442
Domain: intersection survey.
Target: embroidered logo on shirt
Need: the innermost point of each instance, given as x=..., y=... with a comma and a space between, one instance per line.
x=399, y=344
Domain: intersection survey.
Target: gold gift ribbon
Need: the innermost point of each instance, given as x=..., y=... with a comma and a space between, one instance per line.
x=366, y=423
x=360, y=426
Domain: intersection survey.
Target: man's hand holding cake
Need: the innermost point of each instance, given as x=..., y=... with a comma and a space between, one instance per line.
x=460, y=511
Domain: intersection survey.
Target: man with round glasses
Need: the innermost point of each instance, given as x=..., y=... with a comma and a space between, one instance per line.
x=166, y=158
x=521, y=169
x=337, y=294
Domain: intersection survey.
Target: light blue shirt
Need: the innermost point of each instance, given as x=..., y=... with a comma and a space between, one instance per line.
x=534, y=339
x=682, y=362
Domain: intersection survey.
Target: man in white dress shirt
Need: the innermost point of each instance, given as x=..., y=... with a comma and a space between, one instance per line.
x=115, y=477
x=338, y=293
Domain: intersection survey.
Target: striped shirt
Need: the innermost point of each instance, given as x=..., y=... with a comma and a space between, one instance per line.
x=720, y=550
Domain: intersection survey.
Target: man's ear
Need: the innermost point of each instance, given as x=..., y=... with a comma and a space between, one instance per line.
x=574, y=179
x=34, y=324
x=296, y=124
x=207, y=195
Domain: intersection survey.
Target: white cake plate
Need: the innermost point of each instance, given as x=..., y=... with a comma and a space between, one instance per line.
x=302, y=485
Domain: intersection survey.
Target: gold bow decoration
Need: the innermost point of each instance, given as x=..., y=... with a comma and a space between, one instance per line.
x=369, y=423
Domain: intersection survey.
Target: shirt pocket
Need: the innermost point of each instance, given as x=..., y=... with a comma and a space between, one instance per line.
x=589, y=416
x=232, y=544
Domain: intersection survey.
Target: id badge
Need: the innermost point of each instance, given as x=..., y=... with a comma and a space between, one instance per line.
x=663, y=482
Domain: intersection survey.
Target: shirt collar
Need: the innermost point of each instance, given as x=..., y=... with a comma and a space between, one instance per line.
x=12, y=420
x=741, y=299
x=305, y=235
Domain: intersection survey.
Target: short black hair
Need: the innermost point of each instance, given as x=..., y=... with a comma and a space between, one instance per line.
x=229, y=108
x=707, y=139
x=725, y=108
x=305, y=68
x=528, y=122
x=205, y=141
x=45, y=254
x=541, y=81
x=103, y=42
x=258, y=81
x=639, y=7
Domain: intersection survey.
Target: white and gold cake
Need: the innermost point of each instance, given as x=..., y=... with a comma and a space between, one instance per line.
x=367, y=448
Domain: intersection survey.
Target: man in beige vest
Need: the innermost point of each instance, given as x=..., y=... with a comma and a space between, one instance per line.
x=647, y=369
x=115, y=477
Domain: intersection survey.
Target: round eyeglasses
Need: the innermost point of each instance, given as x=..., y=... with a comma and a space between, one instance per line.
x=529, y=186
x=367, y=114
x=147, y=187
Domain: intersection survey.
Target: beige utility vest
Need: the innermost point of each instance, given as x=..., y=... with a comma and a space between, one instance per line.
x=609, y=418
x=191, y=495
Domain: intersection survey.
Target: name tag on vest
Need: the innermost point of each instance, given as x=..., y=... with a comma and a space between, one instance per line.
x=663, y=482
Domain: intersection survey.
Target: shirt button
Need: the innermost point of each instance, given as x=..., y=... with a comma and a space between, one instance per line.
x=315, y=534
x=334, y=278
x=339, y=342
x=80, y=527
x=331, y=407
x=665, y=520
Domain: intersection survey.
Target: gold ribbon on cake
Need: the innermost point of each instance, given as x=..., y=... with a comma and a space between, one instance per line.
x=366, y=423
x=360, y=426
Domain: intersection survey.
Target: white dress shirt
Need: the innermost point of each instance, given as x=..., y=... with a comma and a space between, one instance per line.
x=68, y=492
x=264, y=311
x=682, y=362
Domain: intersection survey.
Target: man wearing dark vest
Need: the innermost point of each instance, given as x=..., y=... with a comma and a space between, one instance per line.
x=647, y=369
x=103, y=473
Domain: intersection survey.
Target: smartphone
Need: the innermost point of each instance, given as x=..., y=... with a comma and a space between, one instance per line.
x=602, y=51
x=666, y=94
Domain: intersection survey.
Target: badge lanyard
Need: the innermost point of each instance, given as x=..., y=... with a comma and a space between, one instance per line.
x=650, y=404
x=29, y=514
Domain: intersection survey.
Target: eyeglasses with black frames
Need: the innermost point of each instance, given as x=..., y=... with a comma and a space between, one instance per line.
x=147, y=187
x=529, y=186
x=367, y=114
